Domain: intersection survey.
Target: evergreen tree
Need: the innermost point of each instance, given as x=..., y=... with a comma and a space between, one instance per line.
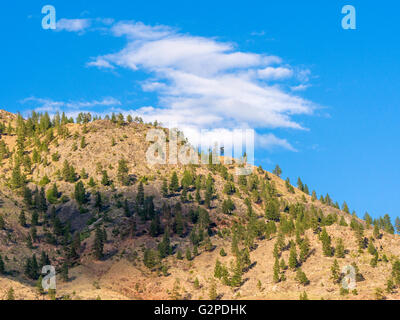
x=277, y=171
x=123, y=171
x=98, y=243
x=213, y=291
x=272, y=210
x=236, y=280
x=174, y=184
x=303, y=296
x=64, y=272
x=276, y=276
x=345, y=207
x=10, y=294
x=371, y=247
x=300, y=185
x=340, y=251
x=140, y=194
x=22, y=219
x=80, y=193
x=2, y=223
x=376, y=231
x=2, y=267
x=91, y=182
x=304, y=249
x=228, y=206
x=98, y=202
x=105, y=181
x=39, y=286
x=164, y=188
x=293, y=257
x=301, y=277
x=397, y=224
x=164, y=248
x=188, y=254
x=326, y=243
x=368, y=220
x=209, y=191
x=83, y=142
x=335, y=271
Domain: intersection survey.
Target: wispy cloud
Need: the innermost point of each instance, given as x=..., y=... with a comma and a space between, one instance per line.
x=270, y=73
x=73, y=25
x=200, y=82
x=204, y=82
x=270, y=141
x=52, y=106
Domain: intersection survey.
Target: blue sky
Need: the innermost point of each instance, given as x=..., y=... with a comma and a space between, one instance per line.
x=323, y=100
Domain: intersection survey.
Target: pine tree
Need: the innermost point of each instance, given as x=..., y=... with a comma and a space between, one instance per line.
x=98, y=243
x=301, y=277
x=345, y=207
x=174, y=184
x=303, y=296
x=64, y=272
x=276, y=276
x=371, y=247
x=10, y=294
x=2, y=223
x=98, y=202
x=340, y=251
x=164, y=248
x=300, y=185
x=2, y=267
x=368, y=220
x=22, y=219
x=164, y=188
x=335, y=271
x=236, y=280
x=212, y=294
x=376, y=231
x=272, y=210
x=209, y=191
x=326, y=243
x=91, y=182
x=42, y=203
x=83, y=142
x=105, y=181
x=304, y=249
x=80, y=193
x=277, y=171
x=293, y=257
x=188, y=254
x=140, y=194
x=218, y=269
x=27, y=196
x=39, y=286
x=122, y=172
x=228, y=206
x=397, y=224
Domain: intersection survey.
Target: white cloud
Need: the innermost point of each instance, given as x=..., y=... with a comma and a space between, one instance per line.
x=206, y=83
x=51, y=106
x=270, y=73
x=73, y=25
x=270, y=141
x=202, y=82
x=300, y=87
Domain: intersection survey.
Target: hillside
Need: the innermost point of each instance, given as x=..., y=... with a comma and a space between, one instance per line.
x=82, y=196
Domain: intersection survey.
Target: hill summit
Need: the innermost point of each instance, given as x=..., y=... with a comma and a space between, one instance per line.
x=78, y=194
